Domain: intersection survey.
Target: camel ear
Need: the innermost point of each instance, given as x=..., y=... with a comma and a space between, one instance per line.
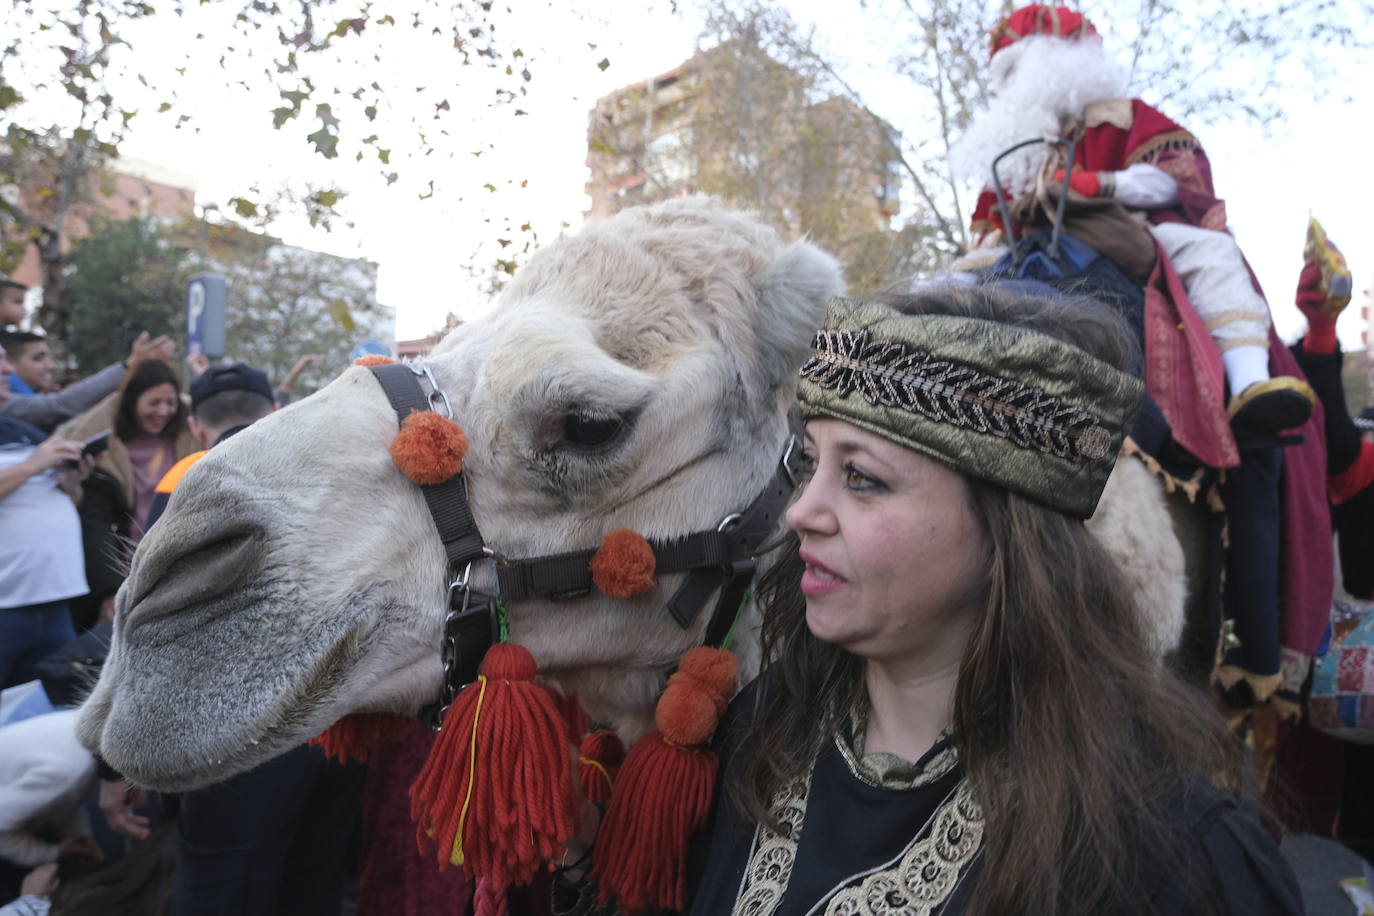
x=791, y=306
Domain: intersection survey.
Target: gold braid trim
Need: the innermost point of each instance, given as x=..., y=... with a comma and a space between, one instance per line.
x=1262, y=686
x=1180, y=141
x=1190, y=488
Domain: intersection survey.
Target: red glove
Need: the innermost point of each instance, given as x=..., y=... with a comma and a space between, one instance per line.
x=1310, y=299
x=1089, y=184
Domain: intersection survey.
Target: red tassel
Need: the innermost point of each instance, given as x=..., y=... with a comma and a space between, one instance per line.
x=663, y=792
x=355, y=736
x=496, y=791
x=600, y=756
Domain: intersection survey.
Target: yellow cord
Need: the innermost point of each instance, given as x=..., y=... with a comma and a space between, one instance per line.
x=456, y=857
x=587, y=761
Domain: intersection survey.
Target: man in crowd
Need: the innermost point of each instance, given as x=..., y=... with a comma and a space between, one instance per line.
x=31, y=363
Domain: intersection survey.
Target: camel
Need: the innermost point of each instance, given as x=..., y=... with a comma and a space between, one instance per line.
x=297, y=577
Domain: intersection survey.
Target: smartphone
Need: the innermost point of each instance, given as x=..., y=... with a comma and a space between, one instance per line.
x=97, y=443
x=92, y=446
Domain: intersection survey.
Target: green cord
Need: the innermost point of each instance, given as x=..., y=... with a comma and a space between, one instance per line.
x=739, y=612
x=502, y=622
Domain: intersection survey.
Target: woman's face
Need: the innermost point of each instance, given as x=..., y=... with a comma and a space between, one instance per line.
x=155, y=408
x=896, y=562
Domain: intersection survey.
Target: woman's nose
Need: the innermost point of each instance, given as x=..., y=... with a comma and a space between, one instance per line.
x=811, y=510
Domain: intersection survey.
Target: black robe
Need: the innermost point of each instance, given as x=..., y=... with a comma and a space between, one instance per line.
x=868, y=849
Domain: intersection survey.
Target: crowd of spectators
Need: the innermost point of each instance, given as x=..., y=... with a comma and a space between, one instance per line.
x=85, y=471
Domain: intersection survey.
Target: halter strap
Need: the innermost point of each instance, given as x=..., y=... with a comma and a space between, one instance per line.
x=721, y=560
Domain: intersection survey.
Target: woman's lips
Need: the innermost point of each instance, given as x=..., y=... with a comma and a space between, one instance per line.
x=818, y=580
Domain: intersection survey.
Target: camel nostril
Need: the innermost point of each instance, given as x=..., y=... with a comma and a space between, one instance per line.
x=172, y=575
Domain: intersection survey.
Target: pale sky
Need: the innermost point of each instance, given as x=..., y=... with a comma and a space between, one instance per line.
x=1314, y=162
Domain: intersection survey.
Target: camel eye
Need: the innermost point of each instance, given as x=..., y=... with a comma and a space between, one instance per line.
x=585, y=431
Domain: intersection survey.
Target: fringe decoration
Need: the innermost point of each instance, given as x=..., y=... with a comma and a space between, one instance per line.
x=663, y=792
x=1189, y=488
x=1262, y=686
x=374, y=359
x=496, y=791
x=600, y=756
x=355, y=736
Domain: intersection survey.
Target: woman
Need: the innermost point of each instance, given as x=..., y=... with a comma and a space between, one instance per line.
x=148, y=418
x=993, y=736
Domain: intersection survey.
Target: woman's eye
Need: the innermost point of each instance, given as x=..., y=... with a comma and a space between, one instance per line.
x=808, y=465
x=856, y=479
x=590, y=432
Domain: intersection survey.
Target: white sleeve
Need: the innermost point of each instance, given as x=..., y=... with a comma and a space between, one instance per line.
x=1145, y=186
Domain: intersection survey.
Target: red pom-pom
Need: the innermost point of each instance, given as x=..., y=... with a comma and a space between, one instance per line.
x=355, y=736
x=496, y=791
x=623, y=565
x=429, y=448
x=600, y=756
x=717, y=669
x=374, y=359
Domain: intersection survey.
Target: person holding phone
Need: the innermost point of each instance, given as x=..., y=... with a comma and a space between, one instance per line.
x=41, y=565
x=148, y=417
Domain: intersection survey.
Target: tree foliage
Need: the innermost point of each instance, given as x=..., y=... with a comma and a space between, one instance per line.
x=71, y=72
x=124, y=278
x=283, y=302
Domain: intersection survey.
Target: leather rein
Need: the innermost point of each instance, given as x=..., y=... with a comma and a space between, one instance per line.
x=720, y=560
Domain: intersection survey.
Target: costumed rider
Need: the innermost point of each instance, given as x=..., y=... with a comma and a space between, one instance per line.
x=1050, y=77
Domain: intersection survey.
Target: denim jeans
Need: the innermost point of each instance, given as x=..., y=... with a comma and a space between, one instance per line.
x=29, y=633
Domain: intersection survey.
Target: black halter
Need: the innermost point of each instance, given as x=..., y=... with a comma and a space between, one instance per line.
x=720, y=560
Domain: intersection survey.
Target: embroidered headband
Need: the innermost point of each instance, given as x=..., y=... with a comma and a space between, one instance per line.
x=1010, y=406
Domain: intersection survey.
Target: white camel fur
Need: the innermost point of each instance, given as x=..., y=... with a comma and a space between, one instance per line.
x=296, y=575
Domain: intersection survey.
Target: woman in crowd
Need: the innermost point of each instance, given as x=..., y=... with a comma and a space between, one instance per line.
x=147, y=416
x=959, y=714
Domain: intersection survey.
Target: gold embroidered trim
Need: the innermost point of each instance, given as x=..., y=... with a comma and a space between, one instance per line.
x=850, y=746
x=927, y=872
x=770, y=862
x=916, y=884
x=1173, y=141
x=1230, y=343
x=1231, y=316
x=895, y=375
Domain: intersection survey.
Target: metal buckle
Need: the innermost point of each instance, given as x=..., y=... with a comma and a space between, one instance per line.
x=471, y=619
x=435, y=395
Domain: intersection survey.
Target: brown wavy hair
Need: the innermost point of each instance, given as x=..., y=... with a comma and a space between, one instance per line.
x=1071, y=734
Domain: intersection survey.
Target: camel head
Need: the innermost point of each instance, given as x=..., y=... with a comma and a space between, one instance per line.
x=637, y=375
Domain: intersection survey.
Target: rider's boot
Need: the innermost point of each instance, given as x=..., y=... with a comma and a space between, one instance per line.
x=1261, y=405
